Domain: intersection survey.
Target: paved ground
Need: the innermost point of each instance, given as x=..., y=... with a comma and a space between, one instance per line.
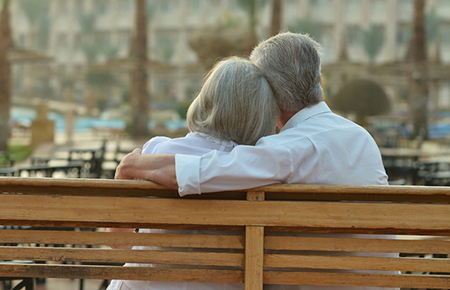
x=65, y=284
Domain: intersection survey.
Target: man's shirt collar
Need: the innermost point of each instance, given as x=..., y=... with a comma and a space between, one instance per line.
x=306, y=113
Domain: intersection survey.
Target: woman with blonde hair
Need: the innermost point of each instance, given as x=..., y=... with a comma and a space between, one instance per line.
x=234, y=107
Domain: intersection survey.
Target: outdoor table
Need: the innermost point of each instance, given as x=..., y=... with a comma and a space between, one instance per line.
x=48, y=170
x=9, y=171
x=404, y=160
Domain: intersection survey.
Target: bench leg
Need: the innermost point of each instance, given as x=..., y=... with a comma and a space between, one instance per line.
x=254, y=256
x=254, y=251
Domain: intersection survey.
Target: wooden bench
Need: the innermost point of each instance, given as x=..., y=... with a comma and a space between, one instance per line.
x=419, y=215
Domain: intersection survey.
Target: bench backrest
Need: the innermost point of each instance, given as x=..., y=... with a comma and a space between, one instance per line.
x=267, y=235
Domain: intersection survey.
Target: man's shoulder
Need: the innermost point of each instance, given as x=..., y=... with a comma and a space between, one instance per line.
x=327, y=128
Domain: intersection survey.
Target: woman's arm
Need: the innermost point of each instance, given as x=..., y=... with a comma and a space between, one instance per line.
x=159, y=168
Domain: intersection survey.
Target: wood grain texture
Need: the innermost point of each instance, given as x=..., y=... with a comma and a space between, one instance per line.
x=124, y=273
x=254, y=250
x=273, y=192
x=98, y=211
x=281, y=207
x=122, y=239
x=122, y=256
x=357, y=263
x=357, y=245
x=357, y=279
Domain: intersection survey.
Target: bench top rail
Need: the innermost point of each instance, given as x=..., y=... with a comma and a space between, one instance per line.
x=104, y=187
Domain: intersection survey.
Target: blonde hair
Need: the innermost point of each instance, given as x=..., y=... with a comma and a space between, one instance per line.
x=235, y=103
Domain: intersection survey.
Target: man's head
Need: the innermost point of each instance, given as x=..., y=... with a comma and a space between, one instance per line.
x=291, y=64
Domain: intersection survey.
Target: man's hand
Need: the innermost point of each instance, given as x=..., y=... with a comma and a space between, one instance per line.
x=159, y=168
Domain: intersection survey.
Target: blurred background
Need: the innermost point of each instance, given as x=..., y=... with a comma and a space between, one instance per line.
x=75, y=71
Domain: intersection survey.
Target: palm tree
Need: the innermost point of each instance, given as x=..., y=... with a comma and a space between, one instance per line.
x=165, y=48
x=5, y=74
x=140, y=99
x=307, y=26
x=91, y=48
x=252, y=7
x=372, y=40
x=275, y=24
x=432, y=25
x=36, y=11
x=418, y=87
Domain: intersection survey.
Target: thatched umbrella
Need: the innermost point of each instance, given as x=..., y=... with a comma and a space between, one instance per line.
x=361, y=97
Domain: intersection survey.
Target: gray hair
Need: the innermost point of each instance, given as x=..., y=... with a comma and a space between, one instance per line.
x=235, y=103
x=291, y=64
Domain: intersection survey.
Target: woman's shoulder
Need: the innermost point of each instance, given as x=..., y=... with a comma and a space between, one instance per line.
x=166, y=145
x=151, y=147
x=194, y=143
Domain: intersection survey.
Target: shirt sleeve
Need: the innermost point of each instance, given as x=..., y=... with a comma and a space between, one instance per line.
x=188, y=178
x=245, y=167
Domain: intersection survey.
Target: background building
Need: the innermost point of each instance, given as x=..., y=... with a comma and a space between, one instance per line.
x=59, y=29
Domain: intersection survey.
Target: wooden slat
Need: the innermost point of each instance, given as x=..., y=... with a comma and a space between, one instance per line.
x=122, y=256
x=254, y=250
x=356, y=245
x=123, y=273
x=84, y=187
x=224, y=276
x=357, y=279
x=355, y=189
x=122, y=239
x=276, y=191
x=357, y=263
x=100, y=211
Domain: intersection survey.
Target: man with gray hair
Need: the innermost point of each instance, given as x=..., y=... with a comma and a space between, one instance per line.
x=315, y=146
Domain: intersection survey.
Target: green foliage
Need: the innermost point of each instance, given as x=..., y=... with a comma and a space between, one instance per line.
x=432, y=23
x=252, y=7
x=307, y=26
x=151, y=8
x=361, y=97
x=37, y=13
x=372, y=39
x=100, y=78
x=33, y=9
x=44, y=30
x=182, y=108
x=91, y=50
x=228, y=20
x=165, y=48
x=17, y=153
x=109, y=50
x=87, y=21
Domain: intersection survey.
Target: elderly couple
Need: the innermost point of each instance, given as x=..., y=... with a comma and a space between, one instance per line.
x=232, y=144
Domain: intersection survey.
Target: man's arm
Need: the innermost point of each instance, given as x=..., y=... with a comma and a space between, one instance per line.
x=159, y=168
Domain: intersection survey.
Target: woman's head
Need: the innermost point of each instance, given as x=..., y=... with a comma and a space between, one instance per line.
x=235, y=103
